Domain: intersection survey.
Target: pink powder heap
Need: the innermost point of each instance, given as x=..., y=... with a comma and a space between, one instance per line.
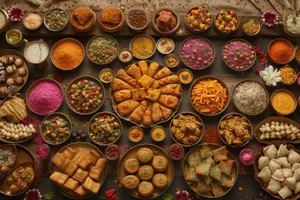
x=46, y=97
x=43, y=151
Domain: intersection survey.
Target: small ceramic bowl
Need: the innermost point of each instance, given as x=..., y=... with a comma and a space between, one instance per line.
x=56, y=30
x=286, y=41
x=112, y=152
x=179, y=151
x=171, y=60
x=297, y=54
x=125, y=55
x=256, y=22
x=109, y=78
x=294, y=73
x=288, y=92
x=158, y=136
x=165, y=45
x=136, y=136
x=24, y=23
x=183, y=77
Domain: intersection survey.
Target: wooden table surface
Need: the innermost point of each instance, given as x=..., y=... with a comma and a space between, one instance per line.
x=245, y=188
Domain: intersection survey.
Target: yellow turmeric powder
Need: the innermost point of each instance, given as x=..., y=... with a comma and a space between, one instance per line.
x=68, y=55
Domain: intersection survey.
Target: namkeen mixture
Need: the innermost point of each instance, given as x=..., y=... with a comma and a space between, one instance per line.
x=198, y=19
x=68, y=54
x=281, y=51
x=283, y=102
x=251, y=27
x=288, y=75
x=56, y=19
x=209, y=96
x=227, y=21
x=250, y=98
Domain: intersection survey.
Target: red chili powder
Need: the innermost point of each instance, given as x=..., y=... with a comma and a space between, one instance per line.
x=45, y=97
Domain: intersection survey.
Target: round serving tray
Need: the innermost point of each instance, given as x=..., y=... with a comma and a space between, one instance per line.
x=114, y=104
x=16, y=54
x=86, y=146
x=170, y=172
x=212, y=147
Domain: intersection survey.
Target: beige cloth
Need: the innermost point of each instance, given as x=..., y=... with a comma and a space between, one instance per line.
x=279, y=6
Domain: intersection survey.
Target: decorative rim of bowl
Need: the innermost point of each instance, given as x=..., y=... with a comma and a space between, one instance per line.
x=80, y=78
x=135, y=127
x=165, y=38
x=102, y=113
x=175, y=14
x=264, y=88
x=155, y=127
x=240, y=40
x=287, y=66
x=6, y=20
x=53, y=9
x=60, y=114
x=33, y=85
x=64, y=40
x=136, y=28
x=206, y=40
x=289, y=43
x=105, y=70
x=205, y=78
x=125, y=49
x=196, y=7
x=237, y=27
x=240, y=115
x=218, y=146
x=115, y=28
x=259, y=25
x=102, y=35
x=35, y=12
x=198, y=118
x=286, y=91
x=141, y=57
x=185, y=70
x=172, y=55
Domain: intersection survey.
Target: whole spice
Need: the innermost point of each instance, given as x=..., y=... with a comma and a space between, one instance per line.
x=45, y=97
x=137, y=19
x=288, y=75
x=68, y=55
x=33, y=21
x=281, y=51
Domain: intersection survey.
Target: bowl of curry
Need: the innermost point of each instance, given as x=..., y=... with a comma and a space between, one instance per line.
x=283, y=102
x=142, y=46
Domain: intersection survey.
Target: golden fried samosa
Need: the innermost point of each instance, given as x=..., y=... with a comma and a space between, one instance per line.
x=147, y=120
x=164, y=72
x=155, y=85
x=134, y=71
x=125, y=77
x=143, y=66
x=168, y=101
x=172, y=89
x=165, y=111
x=146, y=81
x=156, y=112
x=122, y=95
x=127, y=107
x=168, y=80
x=153, y=68
x=118, y=84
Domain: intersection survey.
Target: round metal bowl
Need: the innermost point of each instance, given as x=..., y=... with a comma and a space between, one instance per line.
x=61, y=41
x=211, y=78
x=293, y=72
x=135, y=127
x=24, y=17
x=212, y=147
x=4, y=27
x=106, y=70
x=202, y=128
x=155, y=16
x=202, y=38
x=227, y=33
x=86, y=29
x=241, y=40
x=104, y=36
x=254, y=34
x=157, y=44
x=204, y=6
x=284, y=23
x=91, y=78
x=264, y=88
x=55, y=30
x=115, y=28
x=62, y=115
x=290, y=93
x=136, y=29
x=105, y=113
x=250, y=129
x=151, y=133
x=185, y=70
x=286, y=41
x=138, y=56
x=297, y=49
x=167, y=63
x=31, y=88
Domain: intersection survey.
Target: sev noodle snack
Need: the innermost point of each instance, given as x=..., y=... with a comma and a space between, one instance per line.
x=209, y=96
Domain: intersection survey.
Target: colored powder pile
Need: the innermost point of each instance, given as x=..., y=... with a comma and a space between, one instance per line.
x=43, y=152
x=46, y=97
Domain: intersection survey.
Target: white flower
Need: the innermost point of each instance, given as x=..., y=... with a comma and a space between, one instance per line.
x=270, y=76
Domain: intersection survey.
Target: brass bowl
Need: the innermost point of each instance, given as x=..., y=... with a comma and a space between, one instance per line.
x=136, y=29
x=297, y=49
x=249, y=34
x=211, y=78
x=240, y=40
x=205, y=6
x=61, y=41
x=250, y=130
x=115, y=28
x=135, y=127
x=264, y=88
x=155, y=16
x=202, y=38
x=106, y=70
x=24, y=17
x=290, y=93
x=91, y=78
x=286, y=66
x=284, y=23
x=201, y=133
x=31, y=88
x=264, y=185
x=257, y=132
x=139, y=56
x=166, y=62
x=231, y=32
x=286, y=41
x=105, y=113
x=86, y=29
x=7, y=20
x=212, y=147
x=62, y=115
x=186, y=70
x=152, y=130
x=55, y=30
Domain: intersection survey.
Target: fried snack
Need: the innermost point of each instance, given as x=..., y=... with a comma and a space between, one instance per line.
x=160, y=163
x=220, y=154
x=122, y=95
x=58, y=159
x=145, y=155
x=125, y=77
x=93, y=156
x=131, y=165
x=83, y=18
x=145, y=173
x=101, y=162
x=71, y=184
x=59, y=178
x=80, y=175
x=14, y=109
x=111, y=17
x=68, y=167
x=160, y=181
x=130, y=182
x=91, y=185
x=235, y=130
x=68, y=152
x=80, y=191
x=95, y=173
x=127, y=107
x=209, y=96
x=146, y=189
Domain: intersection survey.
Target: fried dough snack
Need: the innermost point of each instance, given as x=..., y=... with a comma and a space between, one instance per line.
x=82, y=18
x=111, y=16
x=14, y=109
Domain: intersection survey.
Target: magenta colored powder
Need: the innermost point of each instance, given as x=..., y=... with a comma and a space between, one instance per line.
x=43, y=152
x=45, y=97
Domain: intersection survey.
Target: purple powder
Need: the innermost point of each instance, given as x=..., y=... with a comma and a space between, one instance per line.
x=197, y=53
x=46, y=97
